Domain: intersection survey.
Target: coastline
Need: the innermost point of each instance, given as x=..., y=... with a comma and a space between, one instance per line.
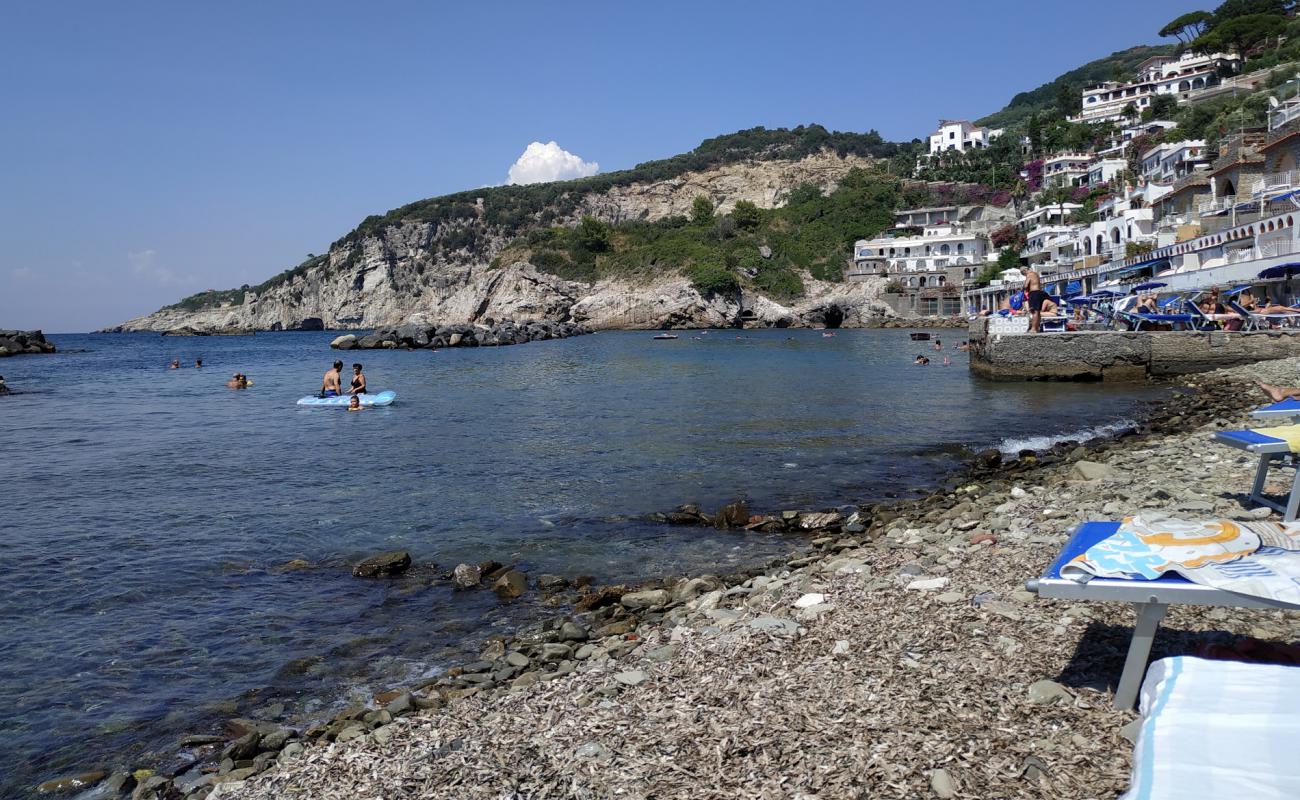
x=623, y=637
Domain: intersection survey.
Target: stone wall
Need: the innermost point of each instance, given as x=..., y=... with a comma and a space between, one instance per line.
x=1119, y=355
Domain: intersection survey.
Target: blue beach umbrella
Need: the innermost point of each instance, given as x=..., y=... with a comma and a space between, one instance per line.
x=1280, y=271
x=1149, y=285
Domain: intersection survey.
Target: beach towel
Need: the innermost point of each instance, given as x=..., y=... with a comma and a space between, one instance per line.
x=1217, y=729
x=1287, y=433
x=1259, y=559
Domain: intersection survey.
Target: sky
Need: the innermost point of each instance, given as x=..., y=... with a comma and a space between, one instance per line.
x=155, y=149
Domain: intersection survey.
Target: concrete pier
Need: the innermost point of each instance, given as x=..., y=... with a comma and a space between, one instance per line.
x=1119, y=355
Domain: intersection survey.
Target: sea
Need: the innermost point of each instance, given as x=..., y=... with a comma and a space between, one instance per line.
x=150, y=515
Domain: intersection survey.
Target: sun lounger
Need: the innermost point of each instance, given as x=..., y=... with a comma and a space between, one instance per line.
x=1269, y=449
x=1217, y=729
x=1202, y=321
x=1283, y=409
x=1137, y=321
x=1151, y=599
x=1257, y=321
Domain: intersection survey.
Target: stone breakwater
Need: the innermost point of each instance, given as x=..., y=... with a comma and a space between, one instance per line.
x=900, y=657
x=492, y=334
x=17, y=343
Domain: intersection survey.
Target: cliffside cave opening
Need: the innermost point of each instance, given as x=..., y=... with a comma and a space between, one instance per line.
x=833, y=316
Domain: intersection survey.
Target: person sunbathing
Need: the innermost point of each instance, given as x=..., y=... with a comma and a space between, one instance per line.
x=1248, y=302
x=1278, y=393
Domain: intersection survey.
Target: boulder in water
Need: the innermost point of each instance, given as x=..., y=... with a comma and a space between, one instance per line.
x=393, y=563
x=466, y=576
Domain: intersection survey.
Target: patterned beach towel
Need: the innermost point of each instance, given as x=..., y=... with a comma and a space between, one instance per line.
x=1260, y=559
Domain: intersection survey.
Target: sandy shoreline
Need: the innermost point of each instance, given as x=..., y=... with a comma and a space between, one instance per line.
x=910, y=677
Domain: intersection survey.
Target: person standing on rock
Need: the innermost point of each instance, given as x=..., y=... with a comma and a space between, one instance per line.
x=1035, y=296
x=330, y=385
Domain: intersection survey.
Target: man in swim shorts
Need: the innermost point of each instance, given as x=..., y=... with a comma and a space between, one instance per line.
x=1036, y=296
x=330, y=385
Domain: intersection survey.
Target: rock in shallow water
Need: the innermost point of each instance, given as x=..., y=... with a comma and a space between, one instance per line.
x=511, y=585
x=392, y=563
x=466, y=576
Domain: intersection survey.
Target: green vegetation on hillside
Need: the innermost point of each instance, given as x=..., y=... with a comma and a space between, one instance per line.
x=813, y=231
x=514, y=208
x=213, y=298
x=1063, y=93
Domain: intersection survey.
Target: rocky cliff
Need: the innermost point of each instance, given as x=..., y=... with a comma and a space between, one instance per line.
x=450, y=269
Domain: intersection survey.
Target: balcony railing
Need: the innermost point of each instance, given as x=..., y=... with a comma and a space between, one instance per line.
x=1277, y=182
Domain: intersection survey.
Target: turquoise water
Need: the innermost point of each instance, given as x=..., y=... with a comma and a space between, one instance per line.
x=149, y=511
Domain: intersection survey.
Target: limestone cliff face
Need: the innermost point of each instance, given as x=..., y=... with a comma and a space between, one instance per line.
x=421, y=271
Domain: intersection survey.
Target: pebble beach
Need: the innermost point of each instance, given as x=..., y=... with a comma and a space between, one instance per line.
x=904, y=661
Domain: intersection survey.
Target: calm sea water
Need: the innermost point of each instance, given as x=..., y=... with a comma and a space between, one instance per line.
x=148, y=512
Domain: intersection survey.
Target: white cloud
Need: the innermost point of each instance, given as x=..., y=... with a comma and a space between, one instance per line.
x=144, y=265
x=541, y=163
x=20, y=273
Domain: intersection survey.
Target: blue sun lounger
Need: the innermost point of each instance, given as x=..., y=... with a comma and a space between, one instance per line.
x=1269, y=449
x=1283, y=409
x=1151, y=599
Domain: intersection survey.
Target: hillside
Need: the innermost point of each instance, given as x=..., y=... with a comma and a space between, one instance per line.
x=1048, y=97
x=762, y=220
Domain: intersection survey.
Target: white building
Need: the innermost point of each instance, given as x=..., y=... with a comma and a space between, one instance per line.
x=1104, y=102
x=1067, y=169
x=1102, y=171
x=961, y=135
x=943, y=253
x=1169, y=161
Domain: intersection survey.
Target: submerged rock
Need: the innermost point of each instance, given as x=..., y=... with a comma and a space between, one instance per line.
x=392, y=563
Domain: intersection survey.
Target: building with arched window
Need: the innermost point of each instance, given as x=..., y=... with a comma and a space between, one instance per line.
x=1177, y=76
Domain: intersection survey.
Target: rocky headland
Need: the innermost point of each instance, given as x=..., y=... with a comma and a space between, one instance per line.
x=895, y=654
x=490, y=334
x=408, y=273
x=17, y=343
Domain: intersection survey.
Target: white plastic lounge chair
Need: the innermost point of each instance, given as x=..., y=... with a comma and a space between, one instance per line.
x=1150, y=599
x=1269, y=449
x=1217, y=729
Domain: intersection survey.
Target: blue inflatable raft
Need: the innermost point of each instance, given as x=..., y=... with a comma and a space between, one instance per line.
x=342, y=401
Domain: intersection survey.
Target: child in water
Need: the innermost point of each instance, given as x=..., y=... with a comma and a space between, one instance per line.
x=355, y=404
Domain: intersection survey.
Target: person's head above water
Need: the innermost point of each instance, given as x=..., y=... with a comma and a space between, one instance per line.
x=354, y=402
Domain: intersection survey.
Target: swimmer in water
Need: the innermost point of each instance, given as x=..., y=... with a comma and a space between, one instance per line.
x=921, y=361
x=3, y=389
x=176, y=363
x=240, y=381
x=355, y=404
x=198, y=363
x=947, y=362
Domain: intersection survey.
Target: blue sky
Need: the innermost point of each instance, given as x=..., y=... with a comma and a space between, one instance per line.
x=152, y=150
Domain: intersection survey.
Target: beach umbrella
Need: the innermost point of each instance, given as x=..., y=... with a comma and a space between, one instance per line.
x=1236, y=290
x=1280, y=271
x=1143, y=287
